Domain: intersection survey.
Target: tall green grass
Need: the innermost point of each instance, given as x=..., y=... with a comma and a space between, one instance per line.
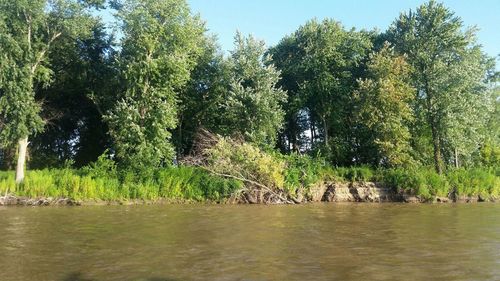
x=181, y=183
x=478, y=181
x=424, y=182
x=102, y=181
x=427, y=183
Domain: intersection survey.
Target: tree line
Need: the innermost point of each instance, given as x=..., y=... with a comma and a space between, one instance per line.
x=421, y=93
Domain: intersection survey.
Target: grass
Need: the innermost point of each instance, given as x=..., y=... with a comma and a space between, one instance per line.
x=423, y=182
x=182, y=183
x=426, y=183
x=102, y=181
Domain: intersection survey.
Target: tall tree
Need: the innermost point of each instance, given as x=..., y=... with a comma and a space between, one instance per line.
x=253, y=105
x=82, y=68
x=470, y=100
x=287, y=56
x=202, y=99
x=321, y=62
x=160, y=46
x=490, y=149
x=384, y=106
x=438, y=48
x=28, y=31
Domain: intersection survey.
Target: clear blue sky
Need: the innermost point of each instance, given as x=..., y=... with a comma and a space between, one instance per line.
x=270, y=20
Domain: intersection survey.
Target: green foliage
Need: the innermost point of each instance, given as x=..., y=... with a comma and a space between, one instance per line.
x=182, y=183
x=102, y=167
x=195, y=184
x=424, y=183
x=302, y=171
x=427, y=183
x=246, y=161
x=361, y=173
x=7, y=182
x=430, y=100
x=490, y=155
x=490, y=150
x=83, y=87
x=384, y=106
x=321, y=62
x=450, y=73
x=28, y=31
x=253, y=102
x=202, y=100
x=485, y=182
x=159, y=49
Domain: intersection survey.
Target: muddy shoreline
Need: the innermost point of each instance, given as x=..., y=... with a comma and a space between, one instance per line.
x=335, y=192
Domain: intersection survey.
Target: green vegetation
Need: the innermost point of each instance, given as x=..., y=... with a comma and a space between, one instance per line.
x=164, y=113
x=198, y=185
x=183, y=183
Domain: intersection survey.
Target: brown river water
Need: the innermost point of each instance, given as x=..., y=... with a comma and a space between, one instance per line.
x=249, y=242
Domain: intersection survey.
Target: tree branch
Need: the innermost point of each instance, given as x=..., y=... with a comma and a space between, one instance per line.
x=250, y=181
x=43, y=52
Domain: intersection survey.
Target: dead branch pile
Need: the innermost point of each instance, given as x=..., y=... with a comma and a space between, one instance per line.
x=256, y=190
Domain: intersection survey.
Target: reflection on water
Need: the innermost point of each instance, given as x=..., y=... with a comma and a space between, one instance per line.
x=207, y=242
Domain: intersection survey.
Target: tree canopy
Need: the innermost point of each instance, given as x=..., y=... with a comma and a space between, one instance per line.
x=421, y=93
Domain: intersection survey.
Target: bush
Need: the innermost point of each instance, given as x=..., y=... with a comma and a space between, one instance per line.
x=302, y=171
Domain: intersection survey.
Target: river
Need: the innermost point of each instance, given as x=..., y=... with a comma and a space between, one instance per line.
x=251, y=242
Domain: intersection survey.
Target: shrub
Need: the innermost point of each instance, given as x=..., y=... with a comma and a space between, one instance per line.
x=301, y=171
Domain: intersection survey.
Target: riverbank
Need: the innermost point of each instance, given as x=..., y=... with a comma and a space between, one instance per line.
x=299, y=184
x=332, y=192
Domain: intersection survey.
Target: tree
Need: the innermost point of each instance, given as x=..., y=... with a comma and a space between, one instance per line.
x=287, y=56
x=384, y=106
x=321, y=62
x=470, y=102
x=160, y=47
x=202, y=99
x=439, y=51
x=73, y=104
x=489, y=154
x=28, y=31
x=253, y=102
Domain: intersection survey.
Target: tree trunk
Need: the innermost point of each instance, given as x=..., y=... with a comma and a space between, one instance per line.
x=293, y=141
x=325, y=129
x=434, y=129
x=437, y=149
x=179, y=140
x=456, y=159
x=313, y=134
x=21, y=159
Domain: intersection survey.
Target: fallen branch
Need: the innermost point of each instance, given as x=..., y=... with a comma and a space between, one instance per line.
x=252, y=182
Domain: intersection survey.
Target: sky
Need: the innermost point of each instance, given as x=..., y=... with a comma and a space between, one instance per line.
x=271, y=20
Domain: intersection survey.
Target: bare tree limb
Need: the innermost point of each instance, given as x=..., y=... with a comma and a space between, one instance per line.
x=252, y=182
